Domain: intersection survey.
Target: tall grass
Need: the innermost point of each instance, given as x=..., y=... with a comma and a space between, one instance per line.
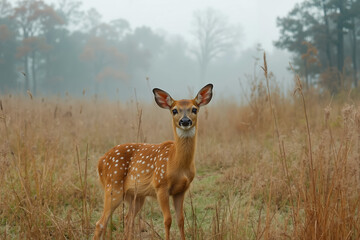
x=278, y=167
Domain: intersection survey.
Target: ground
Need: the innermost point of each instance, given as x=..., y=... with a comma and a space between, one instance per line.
x=257, y=178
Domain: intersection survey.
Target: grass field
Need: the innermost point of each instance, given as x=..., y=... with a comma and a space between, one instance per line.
x=287, y=172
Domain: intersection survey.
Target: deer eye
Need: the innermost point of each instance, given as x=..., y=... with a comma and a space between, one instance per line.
x=194, y=110
x=174, y=111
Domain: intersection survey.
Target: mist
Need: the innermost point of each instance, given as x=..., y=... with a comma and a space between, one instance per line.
x=275, y=138
x=92, y=49
x=57, y=48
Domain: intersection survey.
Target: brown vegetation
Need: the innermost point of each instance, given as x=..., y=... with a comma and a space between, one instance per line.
x=287, y=172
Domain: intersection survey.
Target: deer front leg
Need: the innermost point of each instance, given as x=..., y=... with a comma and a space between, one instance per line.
x=179, y=209
x=163, y=199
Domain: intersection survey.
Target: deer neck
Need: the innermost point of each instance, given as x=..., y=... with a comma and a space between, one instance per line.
x=185, y=143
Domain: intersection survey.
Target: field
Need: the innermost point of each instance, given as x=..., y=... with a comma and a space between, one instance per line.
x=291, y=171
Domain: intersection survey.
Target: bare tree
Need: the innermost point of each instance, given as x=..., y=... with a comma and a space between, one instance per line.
x=213, y=35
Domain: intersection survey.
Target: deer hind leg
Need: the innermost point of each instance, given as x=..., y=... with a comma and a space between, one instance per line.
x=112, y=200
x=135, y=205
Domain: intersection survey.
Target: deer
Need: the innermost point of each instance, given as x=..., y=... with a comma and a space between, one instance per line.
x=133, y=171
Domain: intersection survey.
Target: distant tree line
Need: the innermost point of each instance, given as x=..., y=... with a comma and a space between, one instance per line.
x=59, y=47
x=324, y=36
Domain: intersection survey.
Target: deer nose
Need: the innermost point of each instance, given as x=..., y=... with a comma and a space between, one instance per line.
x=185, y=121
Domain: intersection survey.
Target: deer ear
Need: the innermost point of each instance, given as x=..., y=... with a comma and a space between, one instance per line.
x=162, y=98
x=204, y=96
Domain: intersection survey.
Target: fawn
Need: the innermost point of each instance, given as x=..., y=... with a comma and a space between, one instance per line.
x=133, y=171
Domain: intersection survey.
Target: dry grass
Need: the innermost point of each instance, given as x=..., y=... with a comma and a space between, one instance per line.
x=290, y=171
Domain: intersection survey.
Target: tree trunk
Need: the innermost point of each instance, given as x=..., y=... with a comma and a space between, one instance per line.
x=33, y=70
x=26, y=73
x=354, y=49
x=51, y=42
x=328, y=36
x=26, y=65
x=340, y=38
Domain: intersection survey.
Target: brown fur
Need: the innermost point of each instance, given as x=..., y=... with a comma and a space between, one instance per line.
x=134, y=171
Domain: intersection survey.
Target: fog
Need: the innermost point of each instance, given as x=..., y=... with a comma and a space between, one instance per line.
x=116, y=48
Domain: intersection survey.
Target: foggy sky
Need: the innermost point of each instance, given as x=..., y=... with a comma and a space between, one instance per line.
x=257, y=18
x=169, y=18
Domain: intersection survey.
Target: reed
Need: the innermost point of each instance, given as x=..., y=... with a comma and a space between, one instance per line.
x=289, y=171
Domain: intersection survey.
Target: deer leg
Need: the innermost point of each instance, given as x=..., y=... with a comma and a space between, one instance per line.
x=111, y=202
x=163, y=199
x=179, y=209
x=135, y=205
